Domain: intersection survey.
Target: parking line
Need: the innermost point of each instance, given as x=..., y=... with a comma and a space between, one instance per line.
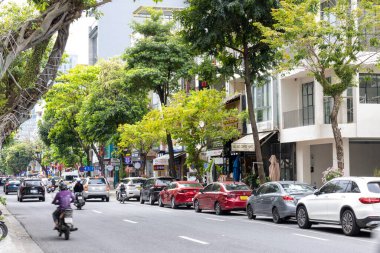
x=311, y=237
x=193, y=240
x=131, y=221
x=96, y=211
x=214, y=219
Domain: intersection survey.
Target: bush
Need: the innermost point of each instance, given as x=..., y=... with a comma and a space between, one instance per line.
x=330, y=174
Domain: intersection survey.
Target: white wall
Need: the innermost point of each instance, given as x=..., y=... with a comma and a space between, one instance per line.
x=364, y=157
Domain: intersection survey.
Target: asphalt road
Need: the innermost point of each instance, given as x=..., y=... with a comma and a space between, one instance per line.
x=132, y=227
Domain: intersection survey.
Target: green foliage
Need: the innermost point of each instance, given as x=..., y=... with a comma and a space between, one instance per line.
x=330, y=174
x=3, y=201
x=197, y=119
x=17, y=156
x=12, y=15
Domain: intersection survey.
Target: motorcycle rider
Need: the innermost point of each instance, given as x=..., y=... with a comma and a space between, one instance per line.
x=78, y=186
x=63, y=200
x=122, y=189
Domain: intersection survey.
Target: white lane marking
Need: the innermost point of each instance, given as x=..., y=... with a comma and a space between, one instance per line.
x=214, y=219
x=193, y=240
x=95, y=211
x=164, y=211
x=131, y=221
x=311, y=237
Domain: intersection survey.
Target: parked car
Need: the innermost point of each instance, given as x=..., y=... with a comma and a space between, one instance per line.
x=277, y=200
x=222, y=197
x=352, y=202
x=152, y=187
x=5, y=181
x=96, y=187
x=179, y=193
x=132, y=187
x=2, y=180
x=11, y=186
x=30, y=189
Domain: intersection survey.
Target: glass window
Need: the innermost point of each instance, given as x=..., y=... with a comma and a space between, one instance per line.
x=341, y=186
x=208, y=188
x=308, y=103
x=125, y=181
x=163, y=181
x=97, y=181
x=138, y=181
x=374, y=187
x=297, y=188
x=32, y=183
x=328, y=188
x=261, y=190
x=369, y=88
x=216, y=188
x=236, y=187
x=193, y=185
x=262, y=102
x=272, y=188
x=352, y=187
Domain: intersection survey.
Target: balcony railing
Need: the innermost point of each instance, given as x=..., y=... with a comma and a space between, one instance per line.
x=300, y=117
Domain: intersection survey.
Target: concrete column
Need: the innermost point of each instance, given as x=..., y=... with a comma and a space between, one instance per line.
x=318, y=103
x=303, y=162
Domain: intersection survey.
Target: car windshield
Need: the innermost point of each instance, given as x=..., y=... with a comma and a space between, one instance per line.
x=138, y=181
x=32, y=183
x=236, y=187
x=292, y=188
x=70, y=178
x=14, y=182
x=164, y=181
x=193, y=185
x=125, y=181
x=97, y=181
x=374, y=187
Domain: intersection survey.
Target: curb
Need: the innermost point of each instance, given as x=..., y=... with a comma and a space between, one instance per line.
x=18, y=240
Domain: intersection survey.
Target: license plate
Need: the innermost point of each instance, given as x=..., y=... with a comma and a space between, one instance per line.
x=69, y=220
x=33, y=191
x=80, y=197
x=243, y=197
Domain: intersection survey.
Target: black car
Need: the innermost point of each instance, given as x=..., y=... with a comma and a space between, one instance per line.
x=31, y=189
x=11, y=186
x=151, y=188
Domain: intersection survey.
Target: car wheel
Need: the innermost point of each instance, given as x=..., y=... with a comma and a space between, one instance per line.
x=172, y=203
x=6, y=193
x=196, y=207
x=348, y=221
x=160, y=204
x=138, y=198
x=250, y=213
x=276, y=216
x=303, y=218
x=20, y=199
x=218, y=209
x=142, y=201
x=188, y=206
x=107, y=199
x=43, y=199
x=151, y=200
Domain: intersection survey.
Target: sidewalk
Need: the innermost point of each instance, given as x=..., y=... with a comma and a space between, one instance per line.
x=17, y=240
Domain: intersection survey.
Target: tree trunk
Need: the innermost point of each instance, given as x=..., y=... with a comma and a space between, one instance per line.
x=169, y=140
x=100, y=158
x=336, y=131
x=252, y=118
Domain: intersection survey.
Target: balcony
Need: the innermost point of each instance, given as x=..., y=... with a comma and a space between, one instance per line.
x=300, y=117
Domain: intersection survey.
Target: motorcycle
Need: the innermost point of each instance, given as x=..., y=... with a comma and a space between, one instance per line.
x=3, y=228
x=123, y=196
x=50, y=188
x=65, y=223
x=79, y=200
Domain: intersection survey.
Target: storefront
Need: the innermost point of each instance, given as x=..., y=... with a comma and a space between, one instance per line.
x=161, y=165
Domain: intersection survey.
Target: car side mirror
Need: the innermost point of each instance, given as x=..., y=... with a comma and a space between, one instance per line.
x=317, y=192
x=254, y=192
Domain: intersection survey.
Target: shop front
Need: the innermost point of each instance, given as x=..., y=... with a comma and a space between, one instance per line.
x=161, y=165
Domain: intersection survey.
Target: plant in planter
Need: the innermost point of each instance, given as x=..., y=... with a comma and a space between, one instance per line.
x=330, y=174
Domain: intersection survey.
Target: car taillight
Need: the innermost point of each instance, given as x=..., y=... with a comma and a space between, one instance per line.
x=288, y=198
x=369, y=200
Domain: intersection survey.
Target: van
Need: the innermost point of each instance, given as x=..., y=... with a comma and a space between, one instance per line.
x=71, y=176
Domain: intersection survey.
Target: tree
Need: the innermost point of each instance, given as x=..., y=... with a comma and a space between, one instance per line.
x=157, y=62
x=18, y=156
x=143, y=135
x=31, y=27
x=335, y=42
x=225, y=29
x=197, y=119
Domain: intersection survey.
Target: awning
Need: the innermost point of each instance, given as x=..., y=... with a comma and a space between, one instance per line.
x=246, y=144
x=232, y=98
x=164, y=160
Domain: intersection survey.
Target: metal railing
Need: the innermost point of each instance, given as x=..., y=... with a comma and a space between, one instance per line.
x=300, y=117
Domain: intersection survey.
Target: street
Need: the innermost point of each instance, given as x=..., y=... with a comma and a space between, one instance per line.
x=115, y=227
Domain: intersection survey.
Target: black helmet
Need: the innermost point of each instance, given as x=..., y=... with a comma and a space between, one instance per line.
x=62, y=186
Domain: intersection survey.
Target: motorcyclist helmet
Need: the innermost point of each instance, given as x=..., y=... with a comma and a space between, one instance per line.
x=62, y=186
x=78, y=180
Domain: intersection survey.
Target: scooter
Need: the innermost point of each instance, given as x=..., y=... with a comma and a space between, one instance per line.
x=123, y=196
x=50, y=188
x=65, y=223
x=79, y=200
x=3, y=228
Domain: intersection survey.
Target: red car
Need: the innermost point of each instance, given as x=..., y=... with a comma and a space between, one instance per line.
x=222, y=197
x=179, y=193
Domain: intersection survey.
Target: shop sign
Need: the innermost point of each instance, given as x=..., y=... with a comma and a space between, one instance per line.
x=159, y=167
x=137, y=165
x=115, y=161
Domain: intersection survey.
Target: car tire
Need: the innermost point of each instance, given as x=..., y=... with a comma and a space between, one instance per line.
x=43, y=199
x=173, y=204
x=142, y=201
x=218, y=209
x=349, y=224
x=250, y=214
x=151, y=200
x=188, y=206
x=6, y=193
x=160, y=204
x=138, y=198
x=276, y=216
x=18, y=198
x=303, y=218
x=196, y=207
x=21, y=199
x=107, y=199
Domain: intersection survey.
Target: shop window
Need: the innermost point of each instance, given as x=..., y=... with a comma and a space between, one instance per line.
x=369, y=88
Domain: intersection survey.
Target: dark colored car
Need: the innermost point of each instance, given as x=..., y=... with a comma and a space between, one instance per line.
x=11, y=186
x=31, y=189
x=277, y=200
x=222, y=197
x=179, y=193
x=5, y=181
x=152, y=187
x=2, y=180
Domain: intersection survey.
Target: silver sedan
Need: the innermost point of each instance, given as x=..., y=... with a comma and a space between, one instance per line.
x=277, y=200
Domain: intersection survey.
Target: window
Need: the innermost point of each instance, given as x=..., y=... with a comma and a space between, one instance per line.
x=163, y=181
x=353, y=187
x=208, y=188
x=32, y=183
x=297, y=188
x=193, y=185
x=272, y=188
x=374, y=187
x=262, y=103
x=236, y=187
x=328, y=188
x=369, y=88
x=341, y=186
x=216, y=188
x=261, y=190
x=308, y=103
x=325, y=14
x=138, y=181
x=97, y=181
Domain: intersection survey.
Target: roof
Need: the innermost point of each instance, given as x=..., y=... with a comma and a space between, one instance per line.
x=187, y=182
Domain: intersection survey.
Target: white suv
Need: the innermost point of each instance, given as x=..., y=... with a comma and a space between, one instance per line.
x=353, y=202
